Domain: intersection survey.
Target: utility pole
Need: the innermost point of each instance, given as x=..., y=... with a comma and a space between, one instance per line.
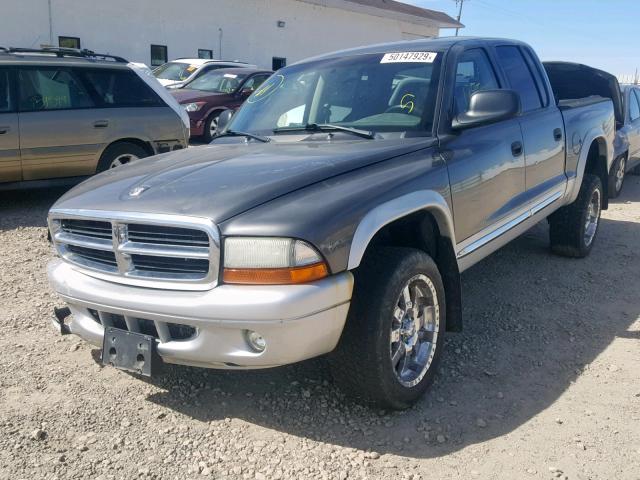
x=461, y=3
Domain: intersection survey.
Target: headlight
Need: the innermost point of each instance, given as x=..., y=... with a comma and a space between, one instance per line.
x=194, y=107
x=271, y=261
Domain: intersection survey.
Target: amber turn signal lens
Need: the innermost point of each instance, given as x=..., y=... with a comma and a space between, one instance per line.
x=275, y=276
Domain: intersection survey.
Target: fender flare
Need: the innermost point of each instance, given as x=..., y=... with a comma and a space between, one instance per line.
x=385, y=213
x=597, y=136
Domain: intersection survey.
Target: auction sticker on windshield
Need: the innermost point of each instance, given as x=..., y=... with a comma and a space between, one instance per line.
x=409, y=57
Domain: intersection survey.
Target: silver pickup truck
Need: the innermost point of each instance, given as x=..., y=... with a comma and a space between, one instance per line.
x=333, y=215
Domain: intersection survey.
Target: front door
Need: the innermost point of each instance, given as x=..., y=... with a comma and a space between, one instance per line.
x=10, y=169
x=61, y=131
x=486, y=163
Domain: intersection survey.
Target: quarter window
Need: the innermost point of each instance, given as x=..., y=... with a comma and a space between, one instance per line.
x=634, y=106
x=519, y=76
x=5, y=97
x=158, y=55
x=474, y=73
x=121, y=88
x=52, y=88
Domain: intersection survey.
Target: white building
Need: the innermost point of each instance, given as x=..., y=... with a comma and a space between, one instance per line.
x=269, y=33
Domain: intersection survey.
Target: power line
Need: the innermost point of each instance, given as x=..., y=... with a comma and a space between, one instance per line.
x=461, y=3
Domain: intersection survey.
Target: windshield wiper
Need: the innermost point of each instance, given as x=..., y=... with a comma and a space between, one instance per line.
x=232, y=133
x=328, y=127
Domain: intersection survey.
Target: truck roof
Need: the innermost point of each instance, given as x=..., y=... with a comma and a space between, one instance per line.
x=437, y=44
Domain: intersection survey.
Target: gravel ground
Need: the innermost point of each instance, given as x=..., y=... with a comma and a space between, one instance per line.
x=543, y=383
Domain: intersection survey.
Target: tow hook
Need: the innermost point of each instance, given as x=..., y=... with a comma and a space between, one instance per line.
x=58, y=320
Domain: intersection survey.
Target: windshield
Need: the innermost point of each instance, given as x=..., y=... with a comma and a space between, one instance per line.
x=177, y=71
x=374, y=92
x=217, y=81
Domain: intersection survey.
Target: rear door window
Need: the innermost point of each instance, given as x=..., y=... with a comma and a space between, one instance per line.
x=519, y=76
x=473, y=74
x=52, y=88
x=121, y=88
x=634, y=105
x=5, y=96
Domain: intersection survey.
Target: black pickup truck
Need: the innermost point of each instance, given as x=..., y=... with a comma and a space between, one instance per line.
x=333, y=215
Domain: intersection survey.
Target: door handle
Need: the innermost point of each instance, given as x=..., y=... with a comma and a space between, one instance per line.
x=4, y=130
x=516, y=149
x=101, y=124
x=557, y=134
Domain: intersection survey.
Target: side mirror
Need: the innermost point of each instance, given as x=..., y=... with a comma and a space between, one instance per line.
x=224, y=119
x=488, y=106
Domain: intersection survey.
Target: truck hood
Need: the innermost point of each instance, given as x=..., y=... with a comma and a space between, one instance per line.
x=221, y=181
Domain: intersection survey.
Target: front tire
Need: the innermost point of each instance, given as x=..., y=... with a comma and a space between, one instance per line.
x=211, y=126
x=617, y=175
x=573, y=228
x=390, y=349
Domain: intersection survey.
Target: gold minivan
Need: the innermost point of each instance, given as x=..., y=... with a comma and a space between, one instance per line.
x=67, y=114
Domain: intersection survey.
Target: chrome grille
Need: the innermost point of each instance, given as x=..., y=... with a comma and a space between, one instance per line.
x=96, y=256
x=162, y=251
x=87, y=228
x=167, y=235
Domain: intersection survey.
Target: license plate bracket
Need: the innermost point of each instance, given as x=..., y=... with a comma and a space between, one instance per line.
x=130, y=351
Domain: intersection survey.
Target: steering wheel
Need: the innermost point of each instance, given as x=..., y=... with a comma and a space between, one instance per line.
x=36, y=102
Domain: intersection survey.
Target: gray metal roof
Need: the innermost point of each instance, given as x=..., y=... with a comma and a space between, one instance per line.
x=441, y=18
x=428, y=44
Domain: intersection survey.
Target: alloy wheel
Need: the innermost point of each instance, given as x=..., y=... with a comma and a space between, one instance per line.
x=593, y=217
x=414, y=331
x=123, y=160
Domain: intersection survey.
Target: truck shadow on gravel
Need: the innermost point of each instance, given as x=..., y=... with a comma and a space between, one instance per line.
x=533, y=323
x=27, y=208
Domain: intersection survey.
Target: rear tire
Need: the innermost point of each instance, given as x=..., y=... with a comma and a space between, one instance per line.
x=120, y=154
x=617, y=175
x=573, y=228
x=390, y=349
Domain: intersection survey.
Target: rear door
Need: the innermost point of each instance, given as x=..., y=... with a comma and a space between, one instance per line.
x=541, y=123
x=10, y=168
x=61, y=131
x=486, y=163
x=130, y=108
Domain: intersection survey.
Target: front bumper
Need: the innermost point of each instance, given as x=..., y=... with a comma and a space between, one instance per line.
x=196, y=126
x=297, y=321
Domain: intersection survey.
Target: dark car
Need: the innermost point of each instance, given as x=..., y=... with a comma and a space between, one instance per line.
x=206, y=97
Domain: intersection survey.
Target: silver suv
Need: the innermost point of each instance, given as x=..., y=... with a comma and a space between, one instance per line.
x=67, y=114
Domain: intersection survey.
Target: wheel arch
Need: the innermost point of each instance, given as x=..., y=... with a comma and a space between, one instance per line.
x=144, y=144
x=597, y=163
x=421, y=220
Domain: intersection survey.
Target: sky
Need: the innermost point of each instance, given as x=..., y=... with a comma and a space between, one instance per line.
x=602, y=33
